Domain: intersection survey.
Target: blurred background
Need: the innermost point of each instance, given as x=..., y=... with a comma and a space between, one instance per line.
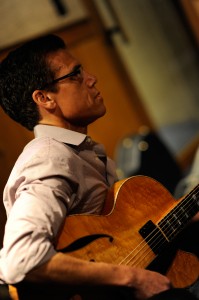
x=145, y=56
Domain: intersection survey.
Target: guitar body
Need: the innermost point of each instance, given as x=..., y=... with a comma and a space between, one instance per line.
x=115, y=238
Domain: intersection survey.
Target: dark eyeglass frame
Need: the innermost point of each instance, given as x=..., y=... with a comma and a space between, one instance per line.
x=75, y=72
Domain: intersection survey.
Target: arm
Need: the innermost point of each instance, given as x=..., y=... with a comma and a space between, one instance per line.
x=79, y=274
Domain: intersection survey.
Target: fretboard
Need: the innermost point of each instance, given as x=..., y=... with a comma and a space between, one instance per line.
x=173, y=223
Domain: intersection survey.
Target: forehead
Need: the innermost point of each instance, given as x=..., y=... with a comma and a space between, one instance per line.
x=62, y=60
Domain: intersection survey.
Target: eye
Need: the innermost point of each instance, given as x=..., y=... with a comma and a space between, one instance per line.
x=77, y=74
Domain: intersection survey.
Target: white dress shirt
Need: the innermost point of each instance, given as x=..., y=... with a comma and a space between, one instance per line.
x=59, y=172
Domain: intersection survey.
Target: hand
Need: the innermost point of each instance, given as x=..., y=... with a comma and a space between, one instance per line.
x=147, y=284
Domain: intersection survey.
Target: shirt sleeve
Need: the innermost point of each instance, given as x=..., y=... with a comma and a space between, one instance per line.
x=30, y=231
x=42, y=193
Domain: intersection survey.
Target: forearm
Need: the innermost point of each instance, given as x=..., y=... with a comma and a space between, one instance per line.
x=67, y=270
x=80, y=275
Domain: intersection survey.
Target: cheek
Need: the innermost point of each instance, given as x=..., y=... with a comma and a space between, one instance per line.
x=82, y=99
x=74, y=100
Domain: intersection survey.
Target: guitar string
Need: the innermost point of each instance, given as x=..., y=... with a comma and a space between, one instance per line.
x=152, y=237
x=184, y=202
x=152, y=232
x=145, y=246
x=158, y=244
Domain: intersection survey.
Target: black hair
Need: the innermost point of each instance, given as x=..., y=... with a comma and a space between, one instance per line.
x=24, y=70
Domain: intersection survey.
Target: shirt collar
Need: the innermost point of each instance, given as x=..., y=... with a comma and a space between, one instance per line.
x=60, y=134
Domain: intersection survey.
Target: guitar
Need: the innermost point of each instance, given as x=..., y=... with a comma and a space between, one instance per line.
x=140, y=224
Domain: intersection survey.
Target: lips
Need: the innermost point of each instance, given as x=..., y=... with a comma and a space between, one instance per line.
x=98, y=93
x=98, y=96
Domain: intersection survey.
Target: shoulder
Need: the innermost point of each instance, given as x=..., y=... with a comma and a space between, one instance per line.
x=43, y=155
x=46, y=147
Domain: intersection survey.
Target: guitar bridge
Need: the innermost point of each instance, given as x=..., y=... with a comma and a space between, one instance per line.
x=153, y=237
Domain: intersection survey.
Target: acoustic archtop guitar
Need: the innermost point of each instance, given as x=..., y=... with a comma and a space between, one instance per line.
x=141, y=221
x=142, y=225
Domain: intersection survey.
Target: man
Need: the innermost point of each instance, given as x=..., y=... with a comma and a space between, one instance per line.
x=61, y=172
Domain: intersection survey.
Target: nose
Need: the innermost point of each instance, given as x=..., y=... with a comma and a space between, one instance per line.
x=90, y=79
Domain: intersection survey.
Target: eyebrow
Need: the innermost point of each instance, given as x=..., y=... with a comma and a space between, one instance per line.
x=76, y=67
x=70, y=74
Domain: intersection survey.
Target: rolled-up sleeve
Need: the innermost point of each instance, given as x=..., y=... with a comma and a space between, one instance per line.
x=37, y=197
x=31, y=228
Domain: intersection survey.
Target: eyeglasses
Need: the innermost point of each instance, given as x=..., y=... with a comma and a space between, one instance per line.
x=75, y=72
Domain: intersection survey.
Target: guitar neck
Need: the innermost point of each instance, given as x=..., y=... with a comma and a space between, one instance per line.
x=175, y=221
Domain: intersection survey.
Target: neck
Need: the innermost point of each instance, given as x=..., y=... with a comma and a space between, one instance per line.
x=66, y=125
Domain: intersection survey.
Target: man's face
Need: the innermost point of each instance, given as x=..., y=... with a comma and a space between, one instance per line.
x=79, y=103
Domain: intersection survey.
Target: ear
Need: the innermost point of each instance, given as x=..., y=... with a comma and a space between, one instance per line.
x=43, y=99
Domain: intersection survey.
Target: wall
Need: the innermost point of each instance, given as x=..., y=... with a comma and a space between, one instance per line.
x=161, y=59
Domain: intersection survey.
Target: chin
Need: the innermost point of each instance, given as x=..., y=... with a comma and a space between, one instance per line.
x=103, y=111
